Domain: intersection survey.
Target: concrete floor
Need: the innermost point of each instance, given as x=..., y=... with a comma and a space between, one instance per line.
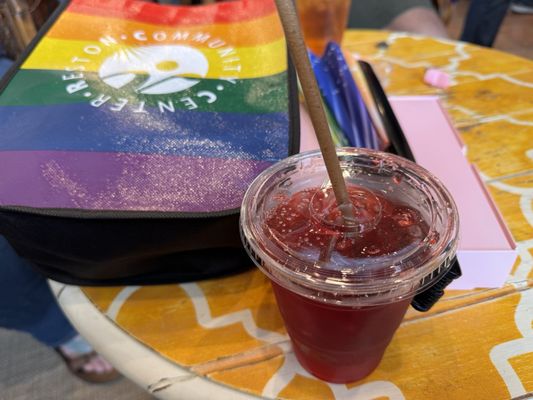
x=30, y=371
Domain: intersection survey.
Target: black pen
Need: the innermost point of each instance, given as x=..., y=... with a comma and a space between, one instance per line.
x=390, y=123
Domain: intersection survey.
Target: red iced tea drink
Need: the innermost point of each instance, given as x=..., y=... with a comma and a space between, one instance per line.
x=343, y=287
x=339, y=344
x=352, y=338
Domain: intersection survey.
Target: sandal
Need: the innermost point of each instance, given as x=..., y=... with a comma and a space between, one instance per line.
x=77, y=365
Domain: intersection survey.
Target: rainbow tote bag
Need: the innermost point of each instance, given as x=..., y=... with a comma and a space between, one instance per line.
x=130, y=131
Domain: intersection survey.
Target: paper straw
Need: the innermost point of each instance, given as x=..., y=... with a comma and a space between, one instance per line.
x=298, y=51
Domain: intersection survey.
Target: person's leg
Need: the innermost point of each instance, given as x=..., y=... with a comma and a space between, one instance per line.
x=419, y=20
x=483, y=21
x=416, y=16
x=27, y=303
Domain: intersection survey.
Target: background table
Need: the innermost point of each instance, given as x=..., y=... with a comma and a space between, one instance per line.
x=224, y=339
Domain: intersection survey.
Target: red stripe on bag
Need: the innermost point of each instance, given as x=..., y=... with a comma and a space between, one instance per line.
x=227, y=12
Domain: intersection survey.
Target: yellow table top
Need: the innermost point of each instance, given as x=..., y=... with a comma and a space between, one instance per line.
x=473, y=345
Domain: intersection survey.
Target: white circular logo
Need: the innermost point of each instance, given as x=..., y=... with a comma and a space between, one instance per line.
x=156, y=67
x=164, y=66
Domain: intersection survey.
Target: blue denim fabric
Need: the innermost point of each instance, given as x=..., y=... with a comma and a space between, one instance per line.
x=27, y=303
x=483, y=21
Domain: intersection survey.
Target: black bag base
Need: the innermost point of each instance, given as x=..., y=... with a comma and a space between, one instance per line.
x=128, y=251
x=171, y=268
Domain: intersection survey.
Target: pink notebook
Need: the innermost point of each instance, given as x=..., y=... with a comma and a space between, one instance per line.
x=486, y=249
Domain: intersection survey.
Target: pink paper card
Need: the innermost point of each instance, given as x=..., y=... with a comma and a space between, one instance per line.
x=486, y=249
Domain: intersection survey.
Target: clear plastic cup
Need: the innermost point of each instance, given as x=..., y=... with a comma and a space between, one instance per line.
x=322, y=21
x=343, y=287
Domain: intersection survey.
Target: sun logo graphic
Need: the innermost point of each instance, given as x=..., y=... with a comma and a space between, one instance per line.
x=153, y=77
x=168, y=68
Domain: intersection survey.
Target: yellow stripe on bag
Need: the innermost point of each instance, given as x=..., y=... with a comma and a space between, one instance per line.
x=223, y=62
x=73, y=26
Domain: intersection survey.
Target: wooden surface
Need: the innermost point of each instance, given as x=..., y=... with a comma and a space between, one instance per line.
x=472, y=345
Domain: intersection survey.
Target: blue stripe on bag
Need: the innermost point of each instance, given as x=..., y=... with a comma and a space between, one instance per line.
x=185, y=133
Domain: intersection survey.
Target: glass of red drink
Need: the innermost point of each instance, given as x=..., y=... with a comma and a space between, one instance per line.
x=322, y=21
x=343, y=286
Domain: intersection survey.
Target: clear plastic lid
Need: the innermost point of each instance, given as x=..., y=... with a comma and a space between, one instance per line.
x=402, y=239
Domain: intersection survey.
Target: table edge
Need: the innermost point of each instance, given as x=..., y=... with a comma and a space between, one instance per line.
x=139, y=363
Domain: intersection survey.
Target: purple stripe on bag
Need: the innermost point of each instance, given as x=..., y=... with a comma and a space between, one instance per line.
x=121, y=181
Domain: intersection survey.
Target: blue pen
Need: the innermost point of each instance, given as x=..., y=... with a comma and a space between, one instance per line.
x=352, y=97
x=330, y=93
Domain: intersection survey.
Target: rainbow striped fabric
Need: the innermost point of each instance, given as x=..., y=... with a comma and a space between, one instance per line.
x=133, y=106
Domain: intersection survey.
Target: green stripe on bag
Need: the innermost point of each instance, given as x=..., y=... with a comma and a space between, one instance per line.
x=41, y=87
